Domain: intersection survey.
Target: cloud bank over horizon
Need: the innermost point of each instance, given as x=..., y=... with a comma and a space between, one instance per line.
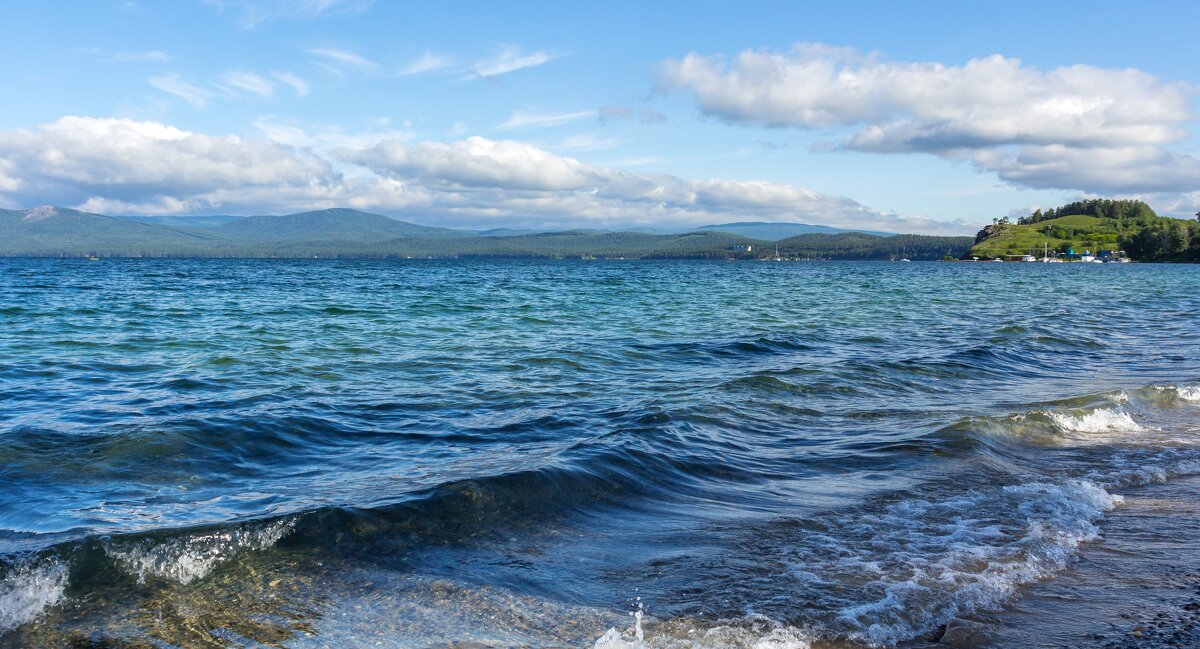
x=111, y=165
x=1094, y=130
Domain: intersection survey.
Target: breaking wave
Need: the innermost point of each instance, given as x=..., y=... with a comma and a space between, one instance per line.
x=188, y=558
x=753, y=632
x=920, y=563
x=28, y=589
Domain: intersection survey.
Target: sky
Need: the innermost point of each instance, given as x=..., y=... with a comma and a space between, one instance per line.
x=928, y=117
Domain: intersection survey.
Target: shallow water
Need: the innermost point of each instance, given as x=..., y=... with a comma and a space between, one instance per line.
x=206, y=453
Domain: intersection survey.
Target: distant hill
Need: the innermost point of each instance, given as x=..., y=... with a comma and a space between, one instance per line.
x=768, y=231
x=333, y=225
x=860, y=245
x=1093, y=225
x=184, y=221
x=50, y=231
x=61, y=231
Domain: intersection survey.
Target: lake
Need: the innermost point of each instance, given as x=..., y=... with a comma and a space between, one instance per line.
x=311, y=453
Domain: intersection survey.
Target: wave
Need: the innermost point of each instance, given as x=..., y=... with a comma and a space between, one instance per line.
x=903, y=571
x=1172, y=394
x=1101, y=420
x=913, y=563
x=187, y=558
x=753, y=632
x=28, y=589
x=1072, y=427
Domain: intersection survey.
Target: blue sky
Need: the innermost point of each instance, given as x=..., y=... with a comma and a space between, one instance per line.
x=925, y=117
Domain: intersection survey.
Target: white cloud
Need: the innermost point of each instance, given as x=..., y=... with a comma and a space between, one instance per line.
x=644, y=115
x=1106, y=170
x=300, y=86
x=479, y=162
x=328, y=138
x=122, y=56
x=509, y=59
x=248, y=82
x=1026, y=124
x=427, y=62
x=175, y=85
x=115, y=165
x=343, y=58
x=524, y=119
x=255, y=12
x=588, y=142
x=82, y=159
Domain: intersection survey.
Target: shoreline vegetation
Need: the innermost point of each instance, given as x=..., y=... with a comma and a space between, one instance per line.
x=345, y=233
x=1112, y=229
x=1091, y=226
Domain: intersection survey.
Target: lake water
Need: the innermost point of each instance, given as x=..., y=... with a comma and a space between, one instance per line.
x=295, y=453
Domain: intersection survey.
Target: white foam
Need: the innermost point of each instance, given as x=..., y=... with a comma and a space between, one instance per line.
x=1189, y=393
x=1186, y=393
x=189, y=558
x=916, y=564
x=754, y=632
x=1101, y=420
x=28, y=589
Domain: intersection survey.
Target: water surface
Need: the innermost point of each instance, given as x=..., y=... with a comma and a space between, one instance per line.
x=207, y=453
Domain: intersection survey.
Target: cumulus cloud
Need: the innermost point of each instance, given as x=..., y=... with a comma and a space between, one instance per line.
x=1024, y=123
x=115, y=165
x=86, y=160
x=479, y=162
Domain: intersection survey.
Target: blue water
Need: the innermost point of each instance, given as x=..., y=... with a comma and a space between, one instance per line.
x=207, y=453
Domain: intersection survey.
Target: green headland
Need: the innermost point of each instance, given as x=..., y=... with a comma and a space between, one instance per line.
x=1093, y=226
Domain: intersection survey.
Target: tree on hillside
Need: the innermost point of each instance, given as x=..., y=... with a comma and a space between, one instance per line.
x=1198, y=215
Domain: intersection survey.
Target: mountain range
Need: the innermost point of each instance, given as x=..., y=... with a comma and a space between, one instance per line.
x=56, y=231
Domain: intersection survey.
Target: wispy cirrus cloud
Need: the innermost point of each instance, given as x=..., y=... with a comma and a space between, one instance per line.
x=300, y=86
x=508, y=58
x=427, y=62
x=173, y=84
x=525, y=119
x=248, y=82
x=339, y=61
x=588, y=142
x=126, y=56
x=252, y=13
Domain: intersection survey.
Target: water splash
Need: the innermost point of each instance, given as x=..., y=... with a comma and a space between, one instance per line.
x=186, y=559
x=29, y=589
x=1100, y=420
x=753, y=632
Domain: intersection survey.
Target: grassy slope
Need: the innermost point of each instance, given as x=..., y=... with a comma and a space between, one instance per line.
x=1077, y=231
